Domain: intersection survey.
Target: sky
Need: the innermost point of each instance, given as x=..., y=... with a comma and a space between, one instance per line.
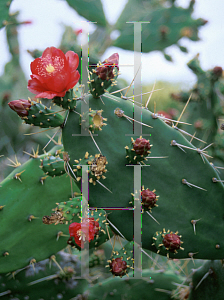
x=48, y=17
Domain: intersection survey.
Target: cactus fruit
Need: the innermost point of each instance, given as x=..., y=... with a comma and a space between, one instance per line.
x=122, y=261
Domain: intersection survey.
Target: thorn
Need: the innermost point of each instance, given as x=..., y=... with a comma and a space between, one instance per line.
x=94, y=141
x=216, y=180
x=116, y=229
x=42, y=179
x=17, y=175
x=59, y=234
x=183, y=110
x=32, y=262
x=14, y=164
x=191, y=256
x=153, y=218
x=147, y=102
x=51, y=138
x=210, y=271
x=31, y=217
x=38, y=132
x=188, y=134
x=184, y=181
x=54, y=260
x=193, y=222
x=103, y=186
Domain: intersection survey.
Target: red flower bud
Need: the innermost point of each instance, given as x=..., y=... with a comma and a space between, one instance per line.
x=20, y=106
x=105, y=71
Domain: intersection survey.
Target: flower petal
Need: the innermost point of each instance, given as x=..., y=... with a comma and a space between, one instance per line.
x=73, y=59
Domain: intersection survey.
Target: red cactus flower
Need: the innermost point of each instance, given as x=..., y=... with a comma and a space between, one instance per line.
x=81, y=233
x=20, y=106
x=105, y=72
x=172, y=241
x=54, y=73
x=118, y=266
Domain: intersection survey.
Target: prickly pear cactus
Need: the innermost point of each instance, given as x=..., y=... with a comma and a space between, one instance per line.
x=205, y=107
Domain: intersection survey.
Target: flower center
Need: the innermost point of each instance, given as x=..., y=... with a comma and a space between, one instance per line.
x=50, y=68
x=81, y=234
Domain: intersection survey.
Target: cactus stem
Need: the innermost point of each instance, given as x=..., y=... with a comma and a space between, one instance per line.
x=184, y=181
x=193, y=222
x=15, y=163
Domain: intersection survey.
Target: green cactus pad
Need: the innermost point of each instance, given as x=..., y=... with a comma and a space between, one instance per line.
x=66, y=102
x=207, y=281
x=53, y=166
x=65, y=212
x=182, y=177
x=27, y=196
x=153, y=285
x=52, y=278
x=97, y=85
x=40, y=115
